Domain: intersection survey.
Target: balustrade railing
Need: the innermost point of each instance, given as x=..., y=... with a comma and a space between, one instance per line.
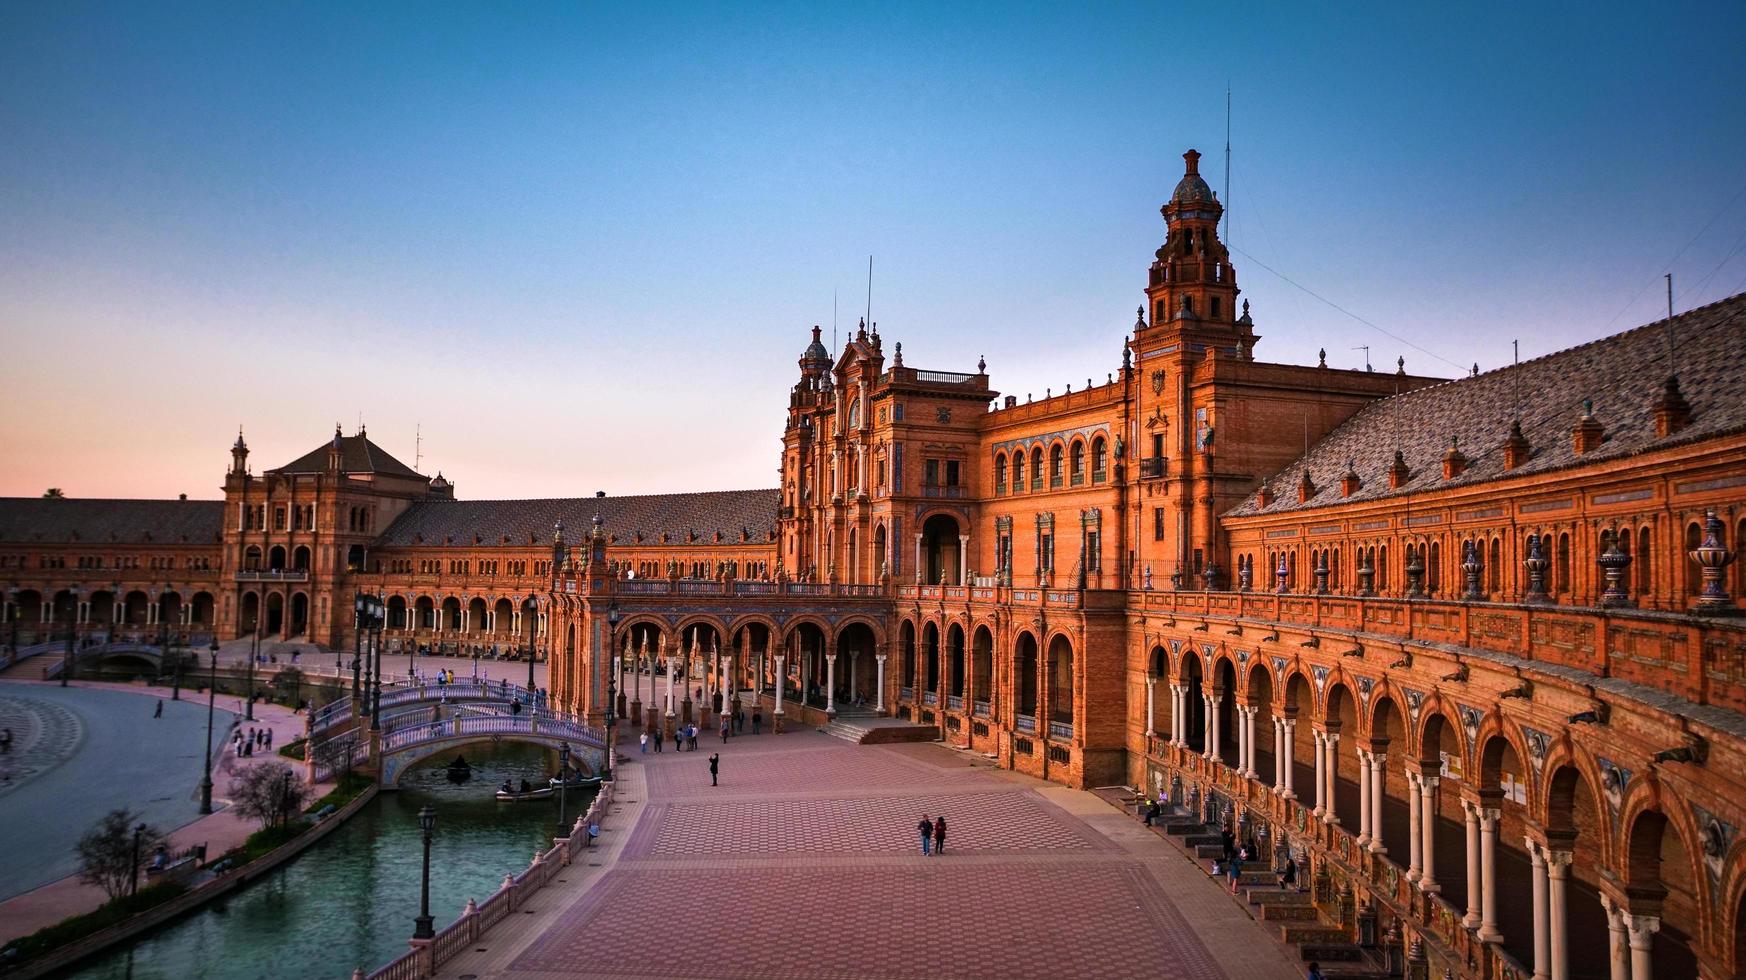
x=930, y=698
x=954, y=702
x=982, y=709
x=906, y=694
x=1025, y=723
x=1061, y=730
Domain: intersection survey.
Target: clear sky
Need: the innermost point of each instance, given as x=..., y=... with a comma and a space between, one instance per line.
x=581, y=246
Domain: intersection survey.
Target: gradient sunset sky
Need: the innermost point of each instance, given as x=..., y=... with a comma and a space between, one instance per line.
x=581, y=246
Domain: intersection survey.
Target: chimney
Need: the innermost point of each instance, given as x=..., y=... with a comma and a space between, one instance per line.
x=1349, y=483
x=1588, y=433
x=1398, y=472
x=1266, y=496
x=1516, y=448
x=1454, y=462
x=1672, y=412
x=1305, y=489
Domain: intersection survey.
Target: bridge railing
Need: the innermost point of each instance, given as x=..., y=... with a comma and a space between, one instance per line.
x=529, y=724
x=339, y=712
x=427, y=957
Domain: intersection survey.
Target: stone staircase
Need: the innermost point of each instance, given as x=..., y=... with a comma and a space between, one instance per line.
x=863, y=727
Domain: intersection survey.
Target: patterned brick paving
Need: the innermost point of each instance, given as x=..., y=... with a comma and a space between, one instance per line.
x=924, y=920
x=44, y=735
x=803, y=863
x=1012, y=821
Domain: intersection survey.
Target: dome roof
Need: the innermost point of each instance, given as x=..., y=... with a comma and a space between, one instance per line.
x=1192, y=189
x=815, y=351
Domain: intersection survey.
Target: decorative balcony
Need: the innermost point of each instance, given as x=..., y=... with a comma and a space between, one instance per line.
x=906, y=694
x=947, y=493
x=1061, y=731
x=930, y=698
x=273, y=575
x=1156, y=468
x=1025, y=723
x=982, y=709
x=954, y=702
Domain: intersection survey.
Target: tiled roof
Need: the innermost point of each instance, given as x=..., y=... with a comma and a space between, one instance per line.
x=357, y=455
x=104, y=521
x=728, y=511
x=1623, y=375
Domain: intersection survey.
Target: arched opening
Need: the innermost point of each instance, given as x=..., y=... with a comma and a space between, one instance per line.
x=1099, y=460
x=1570, y=806
x=135, y=608
x=397, y=613
x=300, y=558
x=906, y=642
x=807, y=664
x=252, y=558
x=355, y=558
x=854, y=563
x=1024, y=677
x=299, y=615
x=1194, y=722
x=502, y=622
x=1661, y=874
x=1342, y=720
x=941, y=548
x=201, y=612
x=475, y=623
x=1077, y=462
x=1037, y=468
x=1260, y=698
x=276, y=558
x=170, y=610
x=1387, y=732
x=955, y=658
x=1055, y=466
x=1440, y=753
x=857, y=671
x=275, y=623
x=931, y=657
x=881, y=557
x=1503, y=777
x=250, y=617
x=1163, y=699
x=1061, y=681
x=451, y=617
x=982, y=670
x=100, y=608
x=1225, y=703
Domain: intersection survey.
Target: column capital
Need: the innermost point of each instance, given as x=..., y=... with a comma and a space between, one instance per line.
x=1558, y=862
x=1536, y=852
x=1642, y=927
x=1489, y=817
x=880, y=657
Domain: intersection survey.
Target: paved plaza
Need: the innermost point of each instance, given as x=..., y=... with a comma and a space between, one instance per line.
x=805, y=862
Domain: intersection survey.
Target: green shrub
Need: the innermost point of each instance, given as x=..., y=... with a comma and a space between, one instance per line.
x=73, y=929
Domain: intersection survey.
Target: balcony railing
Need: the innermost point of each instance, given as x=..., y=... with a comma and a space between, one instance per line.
x=906, y=694
x=1099, y=476
x=1061, y=730
x=955, y=702
x=943, y=377
x=1155, y=468
x=947, y=493
x=1025, y=723
x=981, y=709
x=930, y=698
x=273, y=575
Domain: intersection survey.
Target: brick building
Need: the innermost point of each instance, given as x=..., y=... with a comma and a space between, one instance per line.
x=1464, y=648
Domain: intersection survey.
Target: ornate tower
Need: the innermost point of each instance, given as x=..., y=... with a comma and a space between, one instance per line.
x=239, y=455
x=1192, y=287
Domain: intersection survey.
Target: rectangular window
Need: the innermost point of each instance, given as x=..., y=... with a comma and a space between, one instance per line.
x=1157, y=445
x=278, y=518
x=1093, y=559
x=951, y=472
x=1157, y=524
x=931, y=473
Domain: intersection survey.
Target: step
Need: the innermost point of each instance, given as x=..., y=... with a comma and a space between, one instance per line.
x=1180, y=828
x=1208, y=852
x=1278, y=896
x=1316, y=934
x=1196, y=840
x=1332, y=952
x=1289, y=913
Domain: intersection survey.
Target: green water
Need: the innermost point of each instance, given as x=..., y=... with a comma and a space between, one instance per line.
x=349, y=900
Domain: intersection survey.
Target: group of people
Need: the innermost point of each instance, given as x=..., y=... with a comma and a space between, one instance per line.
x=1232, y=853
x=257, y=738
x=933, y=835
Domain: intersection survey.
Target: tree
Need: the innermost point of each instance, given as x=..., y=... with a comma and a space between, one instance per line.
x=107, y=856
x=53, y=493
x=269, y=792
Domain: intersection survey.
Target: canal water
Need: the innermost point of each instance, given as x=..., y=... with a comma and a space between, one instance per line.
x=349, y=900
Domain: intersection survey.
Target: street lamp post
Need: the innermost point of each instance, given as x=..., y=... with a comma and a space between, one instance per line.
x=133, y=869
x=211, y=700
x=611, y=723
x=563, y=781
x=249, y=685
x=67, y=657
x=421, y=926
x=374, y=607
x=176, y=689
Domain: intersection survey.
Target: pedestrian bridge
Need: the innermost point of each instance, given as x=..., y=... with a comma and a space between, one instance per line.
x=402, y=746
x=402, y=697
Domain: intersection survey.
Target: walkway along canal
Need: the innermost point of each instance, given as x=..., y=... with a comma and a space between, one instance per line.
x=349, y=901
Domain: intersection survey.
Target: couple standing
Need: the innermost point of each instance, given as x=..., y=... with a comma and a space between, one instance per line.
x=933, y=832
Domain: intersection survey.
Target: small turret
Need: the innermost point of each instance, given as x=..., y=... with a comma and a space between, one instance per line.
x=336, y=451
x=239, y=455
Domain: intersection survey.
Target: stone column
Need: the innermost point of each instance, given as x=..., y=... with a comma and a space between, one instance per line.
x=781, y=683
x=1619, y=954
x=1321, y=806
x=854, y=690
x=1176, y=704
x=831, y=684
x=1428, y=828
x=1332, y=752
x=1415, y=816
x=1378, y=774
x=921, y=568
x=1364, y=760
x=1488, y=931
x=1558, y=878
x=1642, y=933
x=1212, y=726
x=727, y=690
x=1151, y=682
x=1542, y=923
x=667, y=700
x=1470, y=811
x=879, y=689
x=1288, y=726
x=963, y=559
x=1278, y=756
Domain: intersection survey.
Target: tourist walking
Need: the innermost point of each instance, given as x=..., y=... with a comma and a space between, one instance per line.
x=1235, y=871
x=694, y=738
x=926, y=829
x=160, y=712
x=726, y=726
x=643, y=740
x=714, y=767
x=939, y=835
x=757, y=720
x=658, y=740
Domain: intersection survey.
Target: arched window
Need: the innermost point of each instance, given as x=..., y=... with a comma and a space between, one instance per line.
x=1641, y=561
x=1037, y=468
x=1563, y=563
x=1494, y=567
x=1055, y=466
x=1099, y=460
x=1078, y=460
x=1000, y=474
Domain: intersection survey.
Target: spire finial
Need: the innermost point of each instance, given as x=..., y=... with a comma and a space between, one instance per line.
x=899, y=360
x=981, y=365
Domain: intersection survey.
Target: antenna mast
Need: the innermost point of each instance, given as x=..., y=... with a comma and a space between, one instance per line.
x=869, y=292
x=1227, y=215
x=417, y=445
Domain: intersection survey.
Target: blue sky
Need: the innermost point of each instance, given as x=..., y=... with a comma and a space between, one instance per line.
x=580, y=247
